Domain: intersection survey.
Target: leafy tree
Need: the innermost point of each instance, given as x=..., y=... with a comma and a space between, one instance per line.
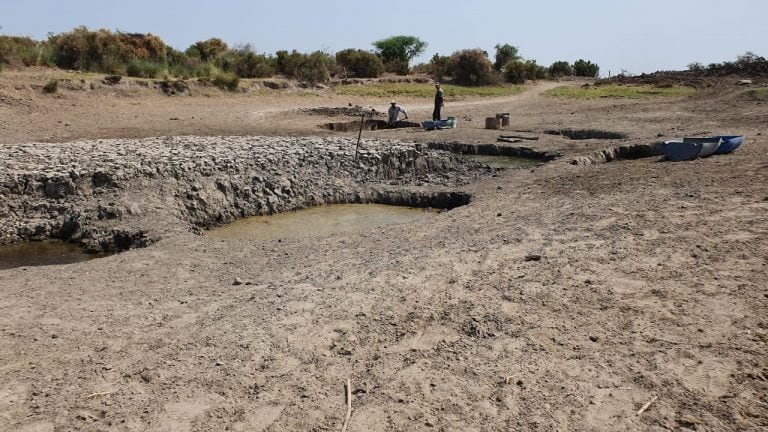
x=472, y=67
x=439, y=66
x=399, y=50
x=288, y=63
x=359, y=63
x=317, y=68
x=208, y=50
x=519, y=71
x=585, y=68
x=246, y=63
x=504, y=54
x=560, y=68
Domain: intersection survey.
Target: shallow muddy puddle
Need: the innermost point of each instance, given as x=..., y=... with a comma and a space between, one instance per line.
x=510, y=162
x=320, y=221
x=35, y=254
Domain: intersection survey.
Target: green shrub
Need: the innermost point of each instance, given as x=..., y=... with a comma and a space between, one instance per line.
x=180, y=65
x=226, y=81
x=207, y=50
x=317, y=68
x=504, y=54
x=439, y=67
x=104, y=51
x=560, y=68
x=51, y=87
x=748, y=64
x=245, y=63
x=472, y=67
x=288, y=63
x=19, y=51
x=515, y=72
x=397, y=66
x=146, y=69
x=519, y=71
x=585, y=68
x=205, y=70
x=359, y=63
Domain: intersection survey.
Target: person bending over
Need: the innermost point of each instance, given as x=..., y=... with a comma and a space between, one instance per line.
x=394, y=113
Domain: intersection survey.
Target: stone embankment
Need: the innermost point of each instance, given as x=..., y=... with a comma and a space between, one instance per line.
x=119, y=194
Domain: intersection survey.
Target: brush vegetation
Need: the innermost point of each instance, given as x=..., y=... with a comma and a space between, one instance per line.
x=619, y=91
x=760, y=94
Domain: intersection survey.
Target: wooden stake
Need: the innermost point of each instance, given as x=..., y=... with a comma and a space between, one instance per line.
x=359, y=135
x=349, y=406
x=645, y=407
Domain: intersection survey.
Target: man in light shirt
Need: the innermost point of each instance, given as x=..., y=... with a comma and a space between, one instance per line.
x=394, y=113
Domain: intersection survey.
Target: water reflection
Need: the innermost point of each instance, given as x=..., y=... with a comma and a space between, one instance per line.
x=319, y=221
x=41, y=254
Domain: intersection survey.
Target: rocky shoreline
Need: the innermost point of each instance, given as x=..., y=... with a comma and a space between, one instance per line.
x=118, y=194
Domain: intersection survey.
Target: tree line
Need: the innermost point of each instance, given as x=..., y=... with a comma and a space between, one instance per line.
x=148, y=56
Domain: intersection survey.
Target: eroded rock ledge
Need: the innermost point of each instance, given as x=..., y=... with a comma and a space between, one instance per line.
x=119, y=194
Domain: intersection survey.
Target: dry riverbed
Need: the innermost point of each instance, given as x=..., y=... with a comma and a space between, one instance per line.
x=562, y=296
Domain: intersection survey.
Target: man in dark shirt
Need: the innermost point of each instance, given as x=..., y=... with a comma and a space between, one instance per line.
x=438, y=102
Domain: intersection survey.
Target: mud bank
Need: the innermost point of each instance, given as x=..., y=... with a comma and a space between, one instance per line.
x=495, y=150
x=118, y=194
x=634, y=151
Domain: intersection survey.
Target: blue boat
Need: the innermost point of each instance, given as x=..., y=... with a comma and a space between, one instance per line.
x=730, y=143
x=678, y=151
x=709, y=145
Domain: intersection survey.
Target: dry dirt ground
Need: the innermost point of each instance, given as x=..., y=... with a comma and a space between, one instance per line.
x=562, y=298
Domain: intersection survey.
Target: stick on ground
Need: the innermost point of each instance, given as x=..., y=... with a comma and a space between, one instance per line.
x=93, y=395
x=349, y=406
x=645, y=407
x=520, y=137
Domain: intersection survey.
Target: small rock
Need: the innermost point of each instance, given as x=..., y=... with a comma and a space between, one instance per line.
x=498, y=214
x=238, y=281
x=533, y=257
x=54, y=336
x=147, y=376
x=744, y=82
x=593, y=338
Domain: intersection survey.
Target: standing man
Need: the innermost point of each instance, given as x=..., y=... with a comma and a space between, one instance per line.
x=438, y=102
x=394, y=113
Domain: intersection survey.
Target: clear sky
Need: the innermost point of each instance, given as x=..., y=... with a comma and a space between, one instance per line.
x=633, y=35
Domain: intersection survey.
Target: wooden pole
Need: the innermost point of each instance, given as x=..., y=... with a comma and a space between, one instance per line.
x=360, y=134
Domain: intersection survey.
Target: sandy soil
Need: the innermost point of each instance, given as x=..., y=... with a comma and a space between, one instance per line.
x=562, y=298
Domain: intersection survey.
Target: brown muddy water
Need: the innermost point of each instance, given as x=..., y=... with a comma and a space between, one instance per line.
x=34, y=254
x=320, y=221
x=507, y=162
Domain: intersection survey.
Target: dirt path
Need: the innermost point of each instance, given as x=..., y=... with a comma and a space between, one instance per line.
x=562, y=297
